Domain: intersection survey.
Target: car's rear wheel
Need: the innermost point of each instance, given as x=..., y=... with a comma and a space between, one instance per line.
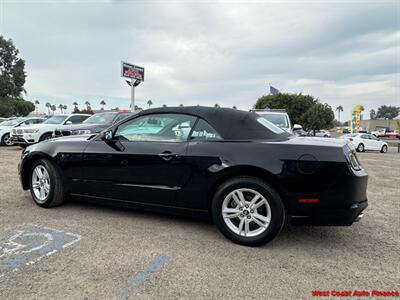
x=384, y=149
x=248, y=211
x=360, y=147
x=46, y=185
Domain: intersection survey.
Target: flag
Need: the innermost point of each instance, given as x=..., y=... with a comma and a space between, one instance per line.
x=273, y=91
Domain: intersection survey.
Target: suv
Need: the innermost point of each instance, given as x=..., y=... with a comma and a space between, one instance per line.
x=278, y=117
x=93, y=124
x=8, y=126
x=36, y=133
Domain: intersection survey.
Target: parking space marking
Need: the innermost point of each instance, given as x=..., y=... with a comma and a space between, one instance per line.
x=143, y=276
x=29, y=244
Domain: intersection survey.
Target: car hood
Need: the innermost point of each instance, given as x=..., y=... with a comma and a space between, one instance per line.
x=73, y=138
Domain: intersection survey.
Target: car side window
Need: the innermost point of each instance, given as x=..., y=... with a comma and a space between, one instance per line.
x=365, y=137
x=156, y=127
x=204, y=132
x=77, y=119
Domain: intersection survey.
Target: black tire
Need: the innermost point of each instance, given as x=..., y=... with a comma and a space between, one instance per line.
x=56, y=194
x=45, y=136
x=360, y=147
x=278, y=214
x=23, y=146
x=384, y=149
x=4, y=140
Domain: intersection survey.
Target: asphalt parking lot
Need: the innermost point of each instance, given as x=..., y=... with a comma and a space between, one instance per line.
x=109, y=253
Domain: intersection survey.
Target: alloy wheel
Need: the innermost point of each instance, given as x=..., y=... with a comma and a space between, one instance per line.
x=7, y=140
x=40, y=183
x=246, y=212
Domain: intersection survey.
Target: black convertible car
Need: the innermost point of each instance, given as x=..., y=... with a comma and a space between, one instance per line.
x=250, y=175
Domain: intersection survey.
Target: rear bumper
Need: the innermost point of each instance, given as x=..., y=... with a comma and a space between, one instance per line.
x=332, y=216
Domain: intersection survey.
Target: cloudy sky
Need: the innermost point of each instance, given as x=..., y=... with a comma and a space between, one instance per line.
x=206, y=52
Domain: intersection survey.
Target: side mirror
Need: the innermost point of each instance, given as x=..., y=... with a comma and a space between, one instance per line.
x=297, y=127
x=68, y=123
x=108, y=138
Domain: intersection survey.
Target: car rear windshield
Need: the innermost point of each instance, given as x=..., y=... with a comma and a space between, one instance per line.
x=101, y=118
x=55, y=120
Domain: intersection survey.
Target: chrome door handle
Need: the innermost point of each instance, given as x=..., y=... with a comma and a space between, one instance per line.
x=167, y=155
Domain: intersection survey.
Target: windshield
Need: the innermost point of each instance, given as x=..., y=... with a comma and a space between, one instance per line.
x=55, y=120
x=11, y=122
x=270, y=126
x=101, y=118
x=277, y=119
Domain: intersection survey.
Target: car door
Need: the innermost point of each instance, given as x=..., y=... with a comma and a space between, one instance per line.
x=366, y=141
x=375, y=142
x=151, y=165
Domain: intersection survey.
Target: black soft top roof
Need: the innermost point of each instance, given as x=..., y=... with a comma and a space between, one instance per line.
x=230, y=123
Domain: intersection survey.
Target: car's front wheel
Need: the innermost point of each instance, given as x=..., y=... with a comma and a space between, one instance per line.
x=384, y=149
x=6, y=140
x=248, y=211
x=46, y=185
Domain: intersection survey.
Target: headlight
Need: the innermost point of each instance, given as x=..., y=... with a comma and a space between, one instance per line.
x=78, y=132
x=31, y=130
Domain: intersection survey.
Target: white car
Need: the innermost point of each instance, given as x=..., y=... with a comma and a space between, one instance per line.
x=36, y=133
x=366, y=141
x=278, y=117
x=7, y=126
x=323, y=133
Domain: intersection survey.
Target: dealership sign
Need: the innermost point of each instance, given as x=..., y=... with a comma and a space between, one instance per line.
x=132, y=71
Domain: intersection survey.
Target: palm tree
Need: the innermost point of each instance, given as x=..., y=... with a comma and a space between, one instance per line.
x=36, y=106
x=164, y=105
x=53, y=108
x=60, y=106
x=150, y=103
x=339, y=109
x=48, y=105
x=180, y=105
x=234, y=107
x=87, y=103
x=75, y=104
x=65, y=108
x=216, y=105
x=102, y=103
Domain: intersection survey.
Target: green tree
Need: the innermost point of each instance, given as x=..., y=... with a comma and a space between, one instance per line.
x=388, y=112
x=294, y=104
x=15, y=107
x=339, y=109
x=372, y=114
x=180, y=105
x=102, y=103
x=87, y=103
x=37, y=106
x=65, y=108
x=12, y=74
x=60, y=106
x=149, y=103
x=53, y=108
x=216, y=105
x=234, y=107
x=48, y=105
x=164, y=105
x=319, y=116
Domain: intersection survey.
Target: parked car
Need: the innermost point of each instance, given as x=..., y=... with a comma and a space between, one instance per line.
x=386, y=132
x=93, y=124
x=7, y=127
x=278, y=117
x=2, y=120
x=249, y=174
x=36, y=133
x=366, y=141
x=320, y=133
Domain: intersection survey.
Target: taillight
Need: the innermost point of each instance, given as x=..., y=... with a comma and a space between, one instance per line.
x=350, y=139
x=307, y=200
x=355, y=164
